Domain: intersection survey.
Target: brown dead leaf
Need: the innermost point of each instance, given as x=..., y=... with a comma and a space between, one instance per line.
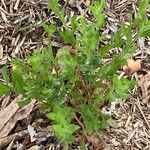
x=144, y=83
x=11, y=114
x=94, y=139
x=132, y=66
x=8, y=112
x=17, y=136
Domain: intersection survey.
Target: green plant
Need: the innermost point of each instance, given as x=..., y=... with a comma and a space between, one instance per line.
x=73, y=86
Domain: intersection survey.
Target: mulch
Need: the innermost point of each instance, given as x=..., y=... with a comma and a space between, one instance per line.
x=21, y=33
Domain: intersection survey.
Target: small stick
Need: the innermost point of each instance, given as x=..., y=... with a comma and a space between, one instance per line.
x=139, y=106
x=16, y=5
x=2, y=10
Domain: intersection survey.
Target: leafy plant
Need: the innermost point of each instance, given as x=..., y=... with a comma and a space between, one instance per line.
x=73, y=86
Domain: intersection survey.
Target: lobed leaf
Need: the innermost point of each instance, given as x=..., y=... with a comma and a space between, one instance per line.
x=4, y=89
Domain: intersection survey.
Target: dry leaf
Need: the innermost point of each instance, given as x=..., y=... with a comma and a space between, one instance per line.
x=144, y=83
x=17, y=136
x=6, y=101
x=8, y=112
x=11, y=114
x=32, y=133
x=132, y=66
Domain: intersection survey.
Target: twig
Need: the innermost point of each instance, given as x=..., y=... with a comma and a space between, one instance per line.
x=79, y=122
x=2, y=10
x=139, y=106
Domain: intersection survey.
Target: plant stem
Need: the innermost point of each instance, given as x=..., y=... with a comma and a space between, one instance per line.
x=66, y=146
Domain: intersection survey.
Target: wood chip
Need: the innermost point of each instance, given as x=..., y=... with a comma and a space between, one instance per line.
x=1, y=51
x=16, y=5
x=3, y=16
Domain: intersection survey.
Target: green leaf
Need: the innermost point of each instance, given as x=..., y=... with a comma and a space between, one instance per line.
x=142, y=7
x=98, y=8
x=122, y=86
x=104, y=121
x=90, y=118
x=24, y=102
x=49, y=28
x=100, y=21
x=119, y=89
x=74, y=24
x=83, y=25
x=64, y=133
x=145, y=32
x=61, y=114
x=110, y=95
x=62, y=15
x=67, y=63
x=68, y=37
x=4, y=89
x=111, y=68
x=47, y=55
x=53, y=5
x=104, y=50
x=74, y=81
x=17, y=80
x=5, y=75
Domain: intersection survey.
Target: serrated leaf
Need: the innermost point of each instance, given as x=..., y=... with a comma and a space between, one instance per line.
x=18, y=82
x=68, y=37
x=62, y=15
x=5, y=74
x=100, y=21
x=74, y=23
x=49, y=28
x=90, y=118
x=123, y=83
x=119, y=89
x=53, y=5
x=145, y=33
x=111, y=68
x=61, y=115
x=64, y=133
x=24, y=102
x=98, y=7
x=67, y=62
x=104, y=121
x=47, y=55
x=4, y=89
x=142, y=7
x=104, y=50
